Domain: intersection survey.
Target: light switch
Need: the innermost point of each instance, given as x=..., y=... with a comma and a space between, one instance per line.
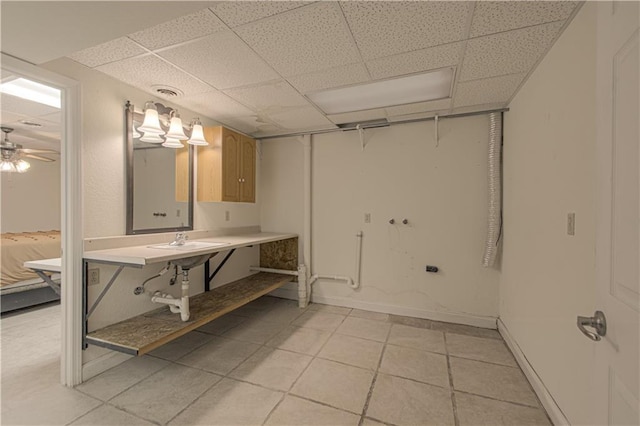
x=571, y=224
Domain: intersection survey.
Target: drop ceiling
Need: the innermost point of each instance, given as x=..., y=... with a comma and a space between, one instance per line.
x=250, y=64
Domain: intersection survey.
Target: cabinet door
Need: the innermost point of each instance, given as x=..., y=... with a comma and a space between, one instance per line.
x=230, y=165
x=248, y=170
x=182, y=174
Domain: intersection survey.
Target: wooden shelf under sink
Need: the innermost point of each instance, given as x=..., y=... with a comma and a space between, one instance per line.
x=144, y=333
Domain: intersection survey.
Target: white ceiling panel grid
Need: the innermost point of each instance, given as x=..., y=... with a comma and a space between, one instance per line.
x=111, y=51
x=507, y=53
x=303, y=40
x=330, y=78
x=387, y=28
x=222, y=60
x=488, y=90
x=416, y=61
x=179, y=30
x=262, y=97
x=239, y=13
x=249, y=64
x=148, y=70
x=420, y=107
x=492, y=17
x=355, y=117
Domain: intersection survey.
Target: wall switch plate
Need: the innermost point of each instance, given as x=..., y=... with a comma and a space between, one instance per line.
x=367, y=218
x=227, y=216
x=571, y=224
x=93, y=277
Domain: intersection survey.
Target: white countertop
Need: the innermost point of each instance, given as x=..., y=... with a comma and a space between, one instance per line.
x=49, y=265
x=145, y=255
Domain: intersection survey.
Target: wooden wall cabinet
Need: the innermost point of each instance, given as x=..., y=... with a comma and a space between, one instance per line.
x=227, y=167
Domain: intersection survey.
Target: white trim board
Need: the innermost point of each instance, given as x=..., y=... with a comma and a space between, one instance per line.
x=452, y=317
x=553, y=410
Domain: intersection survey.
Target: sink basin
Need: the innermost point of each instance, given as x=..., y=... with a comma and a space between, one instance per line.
x=191, y=245
x=192, y=261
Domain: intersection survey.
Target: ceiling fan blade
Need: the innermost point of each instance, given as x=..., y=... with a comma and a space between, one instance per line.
x=39, y=151
x=39, y=157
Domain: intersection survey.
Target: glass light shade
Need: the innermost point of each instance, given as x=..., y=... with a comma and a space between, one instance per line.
x=173, y=143
x=151, y=122
x=151, y=138
x=22, y=166
x=135, y=133
x=7, y=166
x=175, y=129
x=197, y=136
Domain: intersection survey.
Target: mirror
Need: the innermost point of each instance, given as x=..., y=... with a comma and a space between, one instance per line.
x=159, y=183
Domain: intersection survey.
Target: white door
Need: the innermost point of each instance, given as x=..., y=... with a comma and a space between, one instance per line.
x=617, y=372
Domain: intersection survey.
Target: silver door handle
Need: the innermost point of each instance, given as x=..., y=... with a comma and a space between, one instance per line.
x=598, y=321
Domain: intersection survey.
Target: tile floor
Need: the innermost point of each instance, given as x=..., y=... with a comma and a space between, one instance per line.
x=274, y=364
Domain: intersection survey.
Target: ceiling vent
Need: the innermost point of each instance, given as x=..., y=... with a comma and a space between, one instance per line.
x=167, y=91
x=30, y=123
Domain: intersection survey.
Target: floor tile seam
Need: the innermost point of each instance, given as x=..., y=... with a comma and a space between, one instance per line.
x=177, y=362
x=367, y=401
x=128, y=387
x=498, y=338
x=324, y=358
x=325, y=404
x=452, y=393
x=132, y=414
x=102, y=403
x=411, y=379
x=189, y=405
x=375, y=419
x=187, y=353
x=360, y=337
x=417, y=349
x=515, y=367
x=520, y=404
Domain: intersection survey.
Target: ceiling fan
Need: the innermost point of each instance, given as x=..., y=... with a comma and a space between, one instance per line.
x=12, y=154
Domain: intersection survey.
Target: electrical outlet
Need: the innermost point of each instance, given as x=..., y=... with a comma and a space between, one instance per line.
x=571, y=224
x=367, y=218
x=227, y=216
x=94, y=276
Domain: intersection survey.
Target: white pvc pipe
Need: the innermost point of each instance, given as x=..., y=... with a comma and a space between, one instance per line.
x=181, y=305
x=356, y=282
x=306, y=234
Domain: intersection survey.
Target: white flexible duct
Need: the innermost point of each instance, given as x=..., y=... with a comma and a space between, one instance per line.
x=495, y=190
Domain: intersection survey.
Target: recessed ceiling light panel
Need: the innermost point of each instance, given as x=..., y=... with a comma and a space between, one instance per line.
x=32, y=91
x=380, y=94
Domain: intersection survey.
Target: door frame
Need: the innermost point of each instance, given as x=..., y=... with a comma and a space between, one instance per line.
x=71, y=215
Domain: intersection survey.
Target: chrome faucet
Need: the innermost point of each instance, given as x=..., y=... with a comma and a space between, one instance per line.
x=181, y=239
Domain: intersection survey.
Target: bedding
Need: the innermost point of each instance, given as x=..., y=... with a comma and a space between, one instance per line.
x=17, y=248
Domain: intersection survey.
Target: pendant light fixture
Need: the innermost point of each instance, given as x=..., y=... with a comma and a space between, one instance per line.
x=156, y=116
x=151, y=122
x=172, y=143
x=197, y=134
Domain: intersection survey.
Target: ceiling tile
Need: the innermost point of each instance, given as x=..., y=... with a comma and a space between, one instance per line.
x=222, y=60
x=247, y=125
x=384, y=28
x=439, y=105
x=272, y=97
x=24, y=107
x=242, y=12
x=111, y=51
x=334, y=77
x=507, y=53
x=302, y=119
x=179, y=30
x=488, y=90
x=413, y=62
x=303, y=40
x=358, y=116
x=491, y=17
x=476, y=108
x=148, y=70
x=214, y=104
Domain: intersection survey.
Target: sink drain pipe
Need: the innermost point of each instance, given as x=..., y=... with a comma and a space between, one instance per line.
x=177, y=306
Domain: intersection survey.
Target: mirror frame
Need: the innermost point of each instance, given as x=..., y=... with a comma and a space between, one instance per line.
x=129, y=114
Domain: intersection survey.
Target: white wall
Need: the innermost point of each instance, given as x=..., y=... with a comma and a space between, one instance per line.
x=401, y=173
x=549, y=170
x=31, y=200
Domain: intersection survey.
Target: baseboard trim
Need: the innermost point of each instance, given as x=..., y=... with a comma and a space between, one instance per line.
x=291, y=292
x=553, y=410
x=102, y=364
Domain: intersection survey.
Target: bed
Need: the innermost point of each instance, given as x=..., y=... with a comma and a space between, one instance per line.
x=15, y=279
